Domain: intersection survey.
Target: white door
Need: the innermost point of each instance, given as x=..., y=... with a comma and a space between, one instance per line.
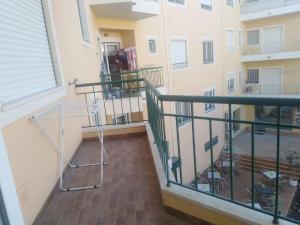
x=271, y=81
x=272, y=39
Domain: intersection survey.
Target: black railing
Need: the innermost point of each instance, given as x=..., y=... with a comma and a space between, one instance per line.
x=227, y=157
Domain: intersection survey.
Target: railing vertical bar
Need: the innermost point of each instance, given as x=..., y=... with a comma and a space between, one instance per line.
x=211, y=158
x=129, y=98
x=230, y=151
x=252, y=165
x=178, y=147
x=194, y=144
x=113, y=105
x=138, y=97
x=87, y=109
x=275, y=219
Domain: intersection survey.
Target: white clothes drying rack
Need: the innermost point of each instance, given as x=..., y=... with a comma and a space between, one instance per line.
x=67, y=109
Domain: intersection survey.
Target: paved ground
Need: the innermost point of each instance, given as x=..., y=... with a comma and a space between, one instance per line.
x=130, y=195
x=265, y=145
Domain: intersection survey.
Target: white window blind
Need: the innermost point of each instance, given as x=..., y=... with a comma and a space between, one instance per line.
x=206, y=4
x=252, y=76
x=208, y=52
x=83, y=20
x=178, y=54
x=253, y=37
x=26, y=66
x=230, y=40
x=230, y=3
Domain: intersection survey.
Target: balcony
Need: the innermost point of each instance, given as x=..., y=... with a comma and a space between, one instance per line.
x=271, y=51
x=241, y=160
x=259, y=9
x=260, y=89
x=126, y=9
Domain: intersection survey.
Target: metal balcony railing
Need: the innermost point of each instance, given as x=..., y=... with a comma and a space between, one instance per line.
x=250, y=6
x=181, y=154
x=291, y=89
x=121, y=94
x=272, y=47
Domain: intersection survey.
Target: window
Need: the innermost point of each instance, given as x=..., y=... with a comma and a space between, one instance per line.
x=230, y=3
x=230, y=43
x=241, y=38
x=241, y=77
x=231, y=83
x=152, y=46
x=83, y=20
x=179, y=2
x=208, y=52
x=206, y=4
x=26, y=65
x=252, y=76
x=3, y=215
x=183, y=108
x=215, y=141
x=210, y=106
x=253, y=37
x=120, y=119
x=179, y=54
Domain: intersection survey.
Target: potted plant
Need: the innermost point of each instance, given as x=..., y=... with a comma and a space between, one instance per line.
x=293, y=159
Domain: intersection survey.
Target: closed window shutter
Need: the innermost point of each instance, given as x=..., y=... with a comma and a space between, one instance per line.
x=178, y=53
x=26, y=66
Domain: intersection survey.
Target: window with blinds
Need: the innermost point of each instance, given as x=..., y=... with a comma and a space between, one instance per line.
x=208, y=52
x=230, y=40
x=26, y=66
x=83, y=20
x=206, y=4
x=210, y=106
x=253, y=37
x=252, y=76
x=179, y=54
x=180, y=2
x=230, y=3
x=185, y=109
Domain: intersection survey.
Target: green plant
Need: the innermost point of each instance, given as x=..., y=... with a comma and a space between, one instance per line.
x=293, y=159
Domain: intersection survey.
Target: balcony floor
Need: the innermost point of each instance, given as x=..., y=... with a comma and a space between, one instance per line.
x=130, y=194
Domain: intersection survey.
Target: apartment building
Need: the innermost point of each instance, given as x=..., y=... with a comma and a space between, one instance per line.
x=202, y=48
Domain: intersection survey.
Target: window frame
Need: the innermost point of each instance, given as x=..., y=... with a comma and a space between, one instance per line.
x=82, y=15
x=231, y=77
x=13, y=111
x=181, y=121
x=176, y=4
x=258, y=78
x=206, y=7
x=152, y=38
x=240, y=38
x=179, y=38
x=205, y=41
x=232, y=48
x=209, y=107
x=259, y=37
x=230, y=5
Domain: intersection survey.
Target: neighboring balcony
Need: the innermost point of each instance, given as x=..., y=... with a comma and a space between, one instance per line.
x=258, y=9
x=276, y=89
x=126, y=9
x=271, y=51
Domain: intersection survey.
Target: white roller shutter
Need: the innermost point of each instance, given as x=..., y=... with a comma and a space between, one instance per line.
x=178, y=54
x=26, y=66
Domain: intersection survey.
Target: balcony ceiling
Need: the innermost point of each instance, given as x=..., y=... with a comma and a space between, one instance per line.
x=125, y=9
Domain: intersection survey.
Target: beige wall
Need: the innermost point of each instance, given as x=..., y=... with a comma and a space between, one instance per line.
x=33, y=160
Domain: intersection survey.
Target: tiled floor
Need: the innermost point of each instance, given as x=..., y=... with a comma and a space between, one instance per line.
x=130, y=194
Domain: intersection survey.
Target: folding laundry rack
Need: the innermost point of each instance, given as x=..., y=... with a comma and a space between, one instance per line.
x=67, y=109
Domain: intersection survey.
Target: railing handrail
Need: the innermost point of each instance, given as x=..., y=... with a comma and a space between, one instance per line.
x=239, y=100
x=108, y=82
